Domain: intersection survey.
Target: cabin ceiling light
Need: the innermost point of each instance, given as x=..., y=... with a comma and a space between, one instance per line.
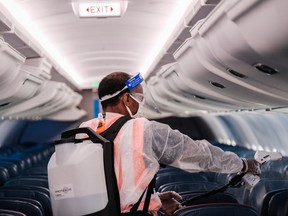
x=22, y=18
x=172, y=28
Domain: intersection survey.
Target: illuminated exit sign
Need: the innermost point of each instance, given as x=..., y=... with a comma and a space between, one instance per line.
x=100, y=9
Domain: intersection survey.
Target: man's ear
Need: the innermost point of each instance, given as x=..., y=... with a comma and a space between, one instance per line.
x=126, y=99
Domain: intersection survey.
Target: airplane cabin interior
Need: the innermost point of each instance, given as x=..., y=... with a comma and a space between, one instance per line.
x=216, y=69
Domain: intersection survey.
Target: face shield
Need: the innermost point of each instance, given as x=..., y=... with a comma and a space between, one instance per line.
x=142, y=96
x=139, y=92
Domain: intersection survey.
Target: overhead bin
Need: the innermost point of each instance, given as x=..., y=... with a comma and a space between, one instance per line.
x=69, y=114
x=200, y=62
x=224, y=45
x=40, y=67
x=10, y=61
x=237, y=44
x=13, y=92
x=15, y=85
x=190, y=94
x=51, y=98
x=199, y=65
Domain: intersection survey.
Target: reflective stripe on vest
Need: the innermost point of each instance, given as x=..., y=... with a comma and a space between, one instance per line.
x=129, y=163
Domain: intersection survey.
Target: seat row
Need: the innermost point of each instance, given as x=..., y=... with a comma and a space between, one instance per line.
x=24, y=182
x=263, y=198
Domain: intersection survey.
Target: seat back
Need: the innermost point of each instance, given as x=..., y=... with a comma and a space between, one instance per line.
x=165, y=178
x=257, y=193
x=5, y=212
x=278, y=205
x=189, y=186
x=266, y=201
x=42, y=198
x=35, y=181
x=4, y=175
x=11, y=167
x=217, y=209
x=195, y=198
x=22, y=206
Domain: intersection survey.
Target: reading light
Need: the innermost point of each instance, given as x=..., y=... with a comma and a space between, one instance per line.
x=99, y=9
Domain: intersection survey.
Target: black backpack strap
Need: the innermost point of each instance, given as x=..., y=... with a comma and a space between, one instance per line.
x=150, y=191
x=113, y=206
x=113, y=130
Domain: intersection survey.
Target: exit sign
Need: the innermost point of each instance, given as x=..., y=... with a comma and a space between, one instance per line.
x=100, y=9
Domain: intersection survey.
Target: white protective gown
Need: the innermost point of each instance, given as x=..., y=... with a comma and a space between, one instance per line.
x=142, y=144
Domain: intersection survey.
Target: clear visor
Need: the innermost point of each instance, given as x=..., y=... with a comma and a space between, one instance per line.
x=146, y=99
x=141, y=95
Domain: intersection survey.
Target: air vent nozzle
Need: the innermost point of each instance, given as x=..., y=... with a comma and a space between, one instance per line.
x=218, y=85
x=235, y=73
x=266, y=69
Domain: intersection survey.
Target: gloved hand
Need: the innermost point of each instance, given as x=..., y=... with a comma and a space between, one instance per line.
x=169, y=202
x=251, y=166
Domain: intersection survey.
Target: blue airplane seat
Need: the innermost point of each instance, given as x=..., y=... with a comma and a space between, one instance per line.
x=11, y=167
x=19, y=162
x=222, y=178
x=273, y=174
x=170, y=169
x=285, y=172
x=5, y=212
x=215, y=198
x=27, y=180
x=41, y=151
x=38, y=170
x=165, y=178
x=6, y=151
x=32, y=201
x=25, y=207
x=238, y=193
x=32, y=194
x=28, y=187
x=189, y=186
x=28, y=159
x=217, y=209
x=256, y=195
x=247, y=154
x=275, y=169
x=266, y=201
x=278, y=205
x=4, y=176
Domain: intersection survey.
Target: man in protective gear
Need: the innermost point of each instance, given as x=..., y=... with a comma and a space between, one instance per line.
x=141, y=145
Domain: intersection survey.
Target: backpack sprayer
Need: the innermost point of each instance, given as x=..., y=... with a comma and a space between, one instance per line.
x=247, y=179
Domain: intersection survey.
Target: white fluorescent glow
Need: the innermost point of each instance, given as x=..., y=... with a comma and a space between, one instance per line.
x=20, y=15
x=173, y=22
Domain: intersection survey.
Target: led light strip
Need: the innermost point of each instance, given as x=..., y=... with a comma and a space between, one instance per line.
x=23, y=19
x=178, y=16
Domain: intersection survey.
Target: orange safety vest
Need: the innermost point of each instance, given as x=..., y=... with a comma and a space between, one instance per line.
x=133, y=175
